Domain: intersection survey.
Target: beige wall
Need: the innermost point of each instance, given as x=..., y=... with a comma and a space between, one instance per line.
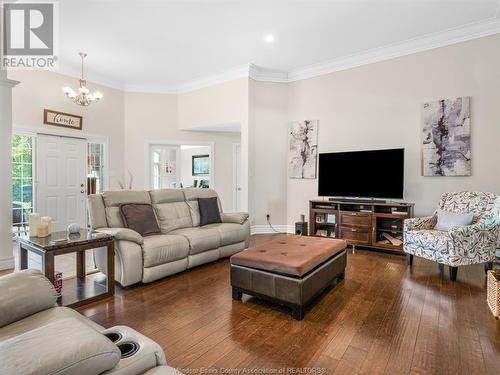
x=42, y=89
x=269, y=121
x=378, y=106
x=154, y=118
x=224, y=103
x=220, y=104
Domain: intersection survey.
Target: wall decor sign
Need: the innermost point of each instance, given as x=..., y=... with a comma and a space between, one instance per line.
x=303, y=152
x=65, y=120
x=446, y=138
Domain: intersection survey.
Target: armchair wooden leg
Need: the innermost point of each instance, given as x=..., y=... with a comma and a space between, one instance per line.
x=453, y=273
x=441, y=268
x=488, y=266
x=409, y=259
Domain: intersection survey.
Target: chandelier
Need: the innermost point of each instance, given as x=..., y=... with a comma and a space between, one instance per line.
x=84, y=97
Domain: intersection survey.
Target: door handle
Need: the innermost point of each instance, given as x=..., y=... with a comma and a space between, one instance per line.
x=82, y=191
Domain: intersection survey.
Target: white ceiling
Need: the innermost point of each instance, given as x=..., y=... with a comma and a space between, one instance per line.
x=167, y=45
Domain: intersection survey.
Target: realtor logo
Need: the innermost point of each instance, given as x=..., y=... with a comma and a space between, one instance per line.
x=29, y=35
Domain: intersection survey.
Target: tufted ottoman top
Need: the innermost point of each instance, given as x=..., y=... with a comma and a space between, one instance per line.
x=289, y=255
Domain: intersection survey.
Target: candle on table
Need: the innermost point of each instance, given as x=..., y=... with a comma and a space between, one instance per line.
x=48, y=220
x=43, y=230
x=34, y=222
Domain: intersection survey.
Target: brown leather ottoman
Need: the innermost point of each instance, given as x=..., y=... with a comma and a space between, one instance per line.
x=290, y=270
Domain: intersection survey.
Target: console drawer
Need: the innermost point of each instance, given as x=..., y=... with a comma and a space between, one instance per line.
x=356, y=235
x=356, y=218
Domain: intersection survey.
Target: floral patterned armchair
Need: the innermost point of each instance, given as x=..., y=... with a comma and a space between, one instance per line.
x=463, y=244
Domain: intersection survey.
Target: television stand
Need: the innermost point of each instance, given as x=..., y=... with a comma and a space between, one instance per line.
x=369, y=224
x=357, y=200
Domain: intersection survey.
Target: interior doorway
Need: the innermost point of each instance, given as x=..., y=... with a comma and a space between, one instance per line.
x=180, y=165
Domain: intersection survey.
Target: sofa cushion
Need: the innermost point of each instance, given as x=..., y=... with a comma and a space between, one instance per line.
x=140, y=218
x=166, y=196
x=209, y=211
x=119, y=197
x=160, y=249
x=230, y=233
x=200, y=239
x=24, y=293
x=114, y=217
x=66, y=346
x=192, y=195
x=173, y=216
x=434, y=240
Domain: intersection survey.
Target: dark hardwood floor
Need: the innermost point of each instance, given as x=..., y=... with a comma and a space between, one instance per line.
x=384, y=318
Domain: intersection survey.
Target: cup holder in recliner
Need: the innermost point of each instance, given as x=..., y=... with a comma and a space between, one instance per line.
x=113, y=336
x=128, y=349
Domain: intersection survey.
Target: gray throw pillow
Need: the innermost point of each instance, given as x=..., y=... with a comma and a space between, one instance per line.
x=209, y=211
x=447, y=220
x=140, y=217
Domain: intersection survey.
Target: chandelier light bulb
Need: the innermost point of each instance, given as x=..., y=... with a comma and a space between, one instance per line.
x=84, y=97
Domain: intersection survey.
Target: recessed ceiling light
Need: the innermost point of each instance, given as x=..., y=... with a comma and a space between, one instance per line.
x=269, y=38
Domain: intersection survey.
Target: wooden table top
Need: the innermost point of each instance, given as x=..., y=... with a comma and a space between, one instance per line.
x=84, y=237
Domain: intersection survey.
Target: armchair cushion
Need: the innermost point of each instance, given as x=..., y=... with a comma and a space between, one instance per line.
x=234, y=217
x=24, y=293
x=65, y=346
x=447, y=220
x=123, y=234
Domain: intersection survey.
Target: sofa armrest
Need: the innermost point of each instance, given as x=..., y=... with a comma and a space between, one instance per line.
x=124, y=234
x=420, y=223
x=24, y=293
x=234, y=217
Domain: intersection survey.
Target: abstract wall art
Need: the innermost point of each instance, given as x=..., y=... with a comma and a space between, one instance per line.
x=303, y=153
x=446, y=138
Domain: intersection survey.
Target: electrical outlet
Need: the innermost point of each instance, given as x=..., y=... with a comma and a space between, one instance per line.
x=268, y=216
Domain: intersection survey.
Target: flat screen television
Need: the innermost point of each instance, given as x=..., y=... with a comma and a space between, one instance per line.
x=362, y=174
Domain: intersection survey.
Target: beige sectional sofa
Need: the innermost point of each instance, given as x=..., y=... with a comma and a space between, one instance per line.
x=182, y=244
x=38, y=337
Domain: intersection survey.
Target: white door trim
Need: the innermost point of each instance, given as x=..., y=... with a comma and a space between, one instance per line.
x=235, y=169
x=147, y=166
x=90, y=137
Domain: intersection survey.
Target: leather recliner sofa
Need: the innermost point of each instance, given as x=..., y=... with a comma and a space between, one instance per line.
x=37, y=337
x=182, y=244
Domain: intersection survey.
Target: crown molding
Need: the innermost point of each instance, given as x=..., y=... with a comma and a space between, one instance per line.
x=267, y=75
x=10, y=83
x=242, y=71
x=408, y=47
x=420, y=44
x=73, y=71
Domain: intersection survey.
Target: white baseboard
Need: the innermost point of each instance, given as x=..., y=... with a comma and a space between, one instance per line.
x=6, y=263
x=266, y=229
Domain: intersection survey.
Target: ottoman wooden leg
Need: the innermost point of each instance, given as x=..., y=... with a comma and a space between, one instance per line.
x=298, y=313
x=237, y=294
x=409, y=259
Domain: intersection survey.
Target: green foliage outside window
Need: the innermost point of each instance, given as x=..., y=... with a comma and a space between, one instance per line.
x=22, y=179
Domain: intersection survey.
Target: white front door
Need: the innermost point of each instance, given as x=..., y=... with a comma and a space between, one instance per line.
x=60, y=174
x=237, y=206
